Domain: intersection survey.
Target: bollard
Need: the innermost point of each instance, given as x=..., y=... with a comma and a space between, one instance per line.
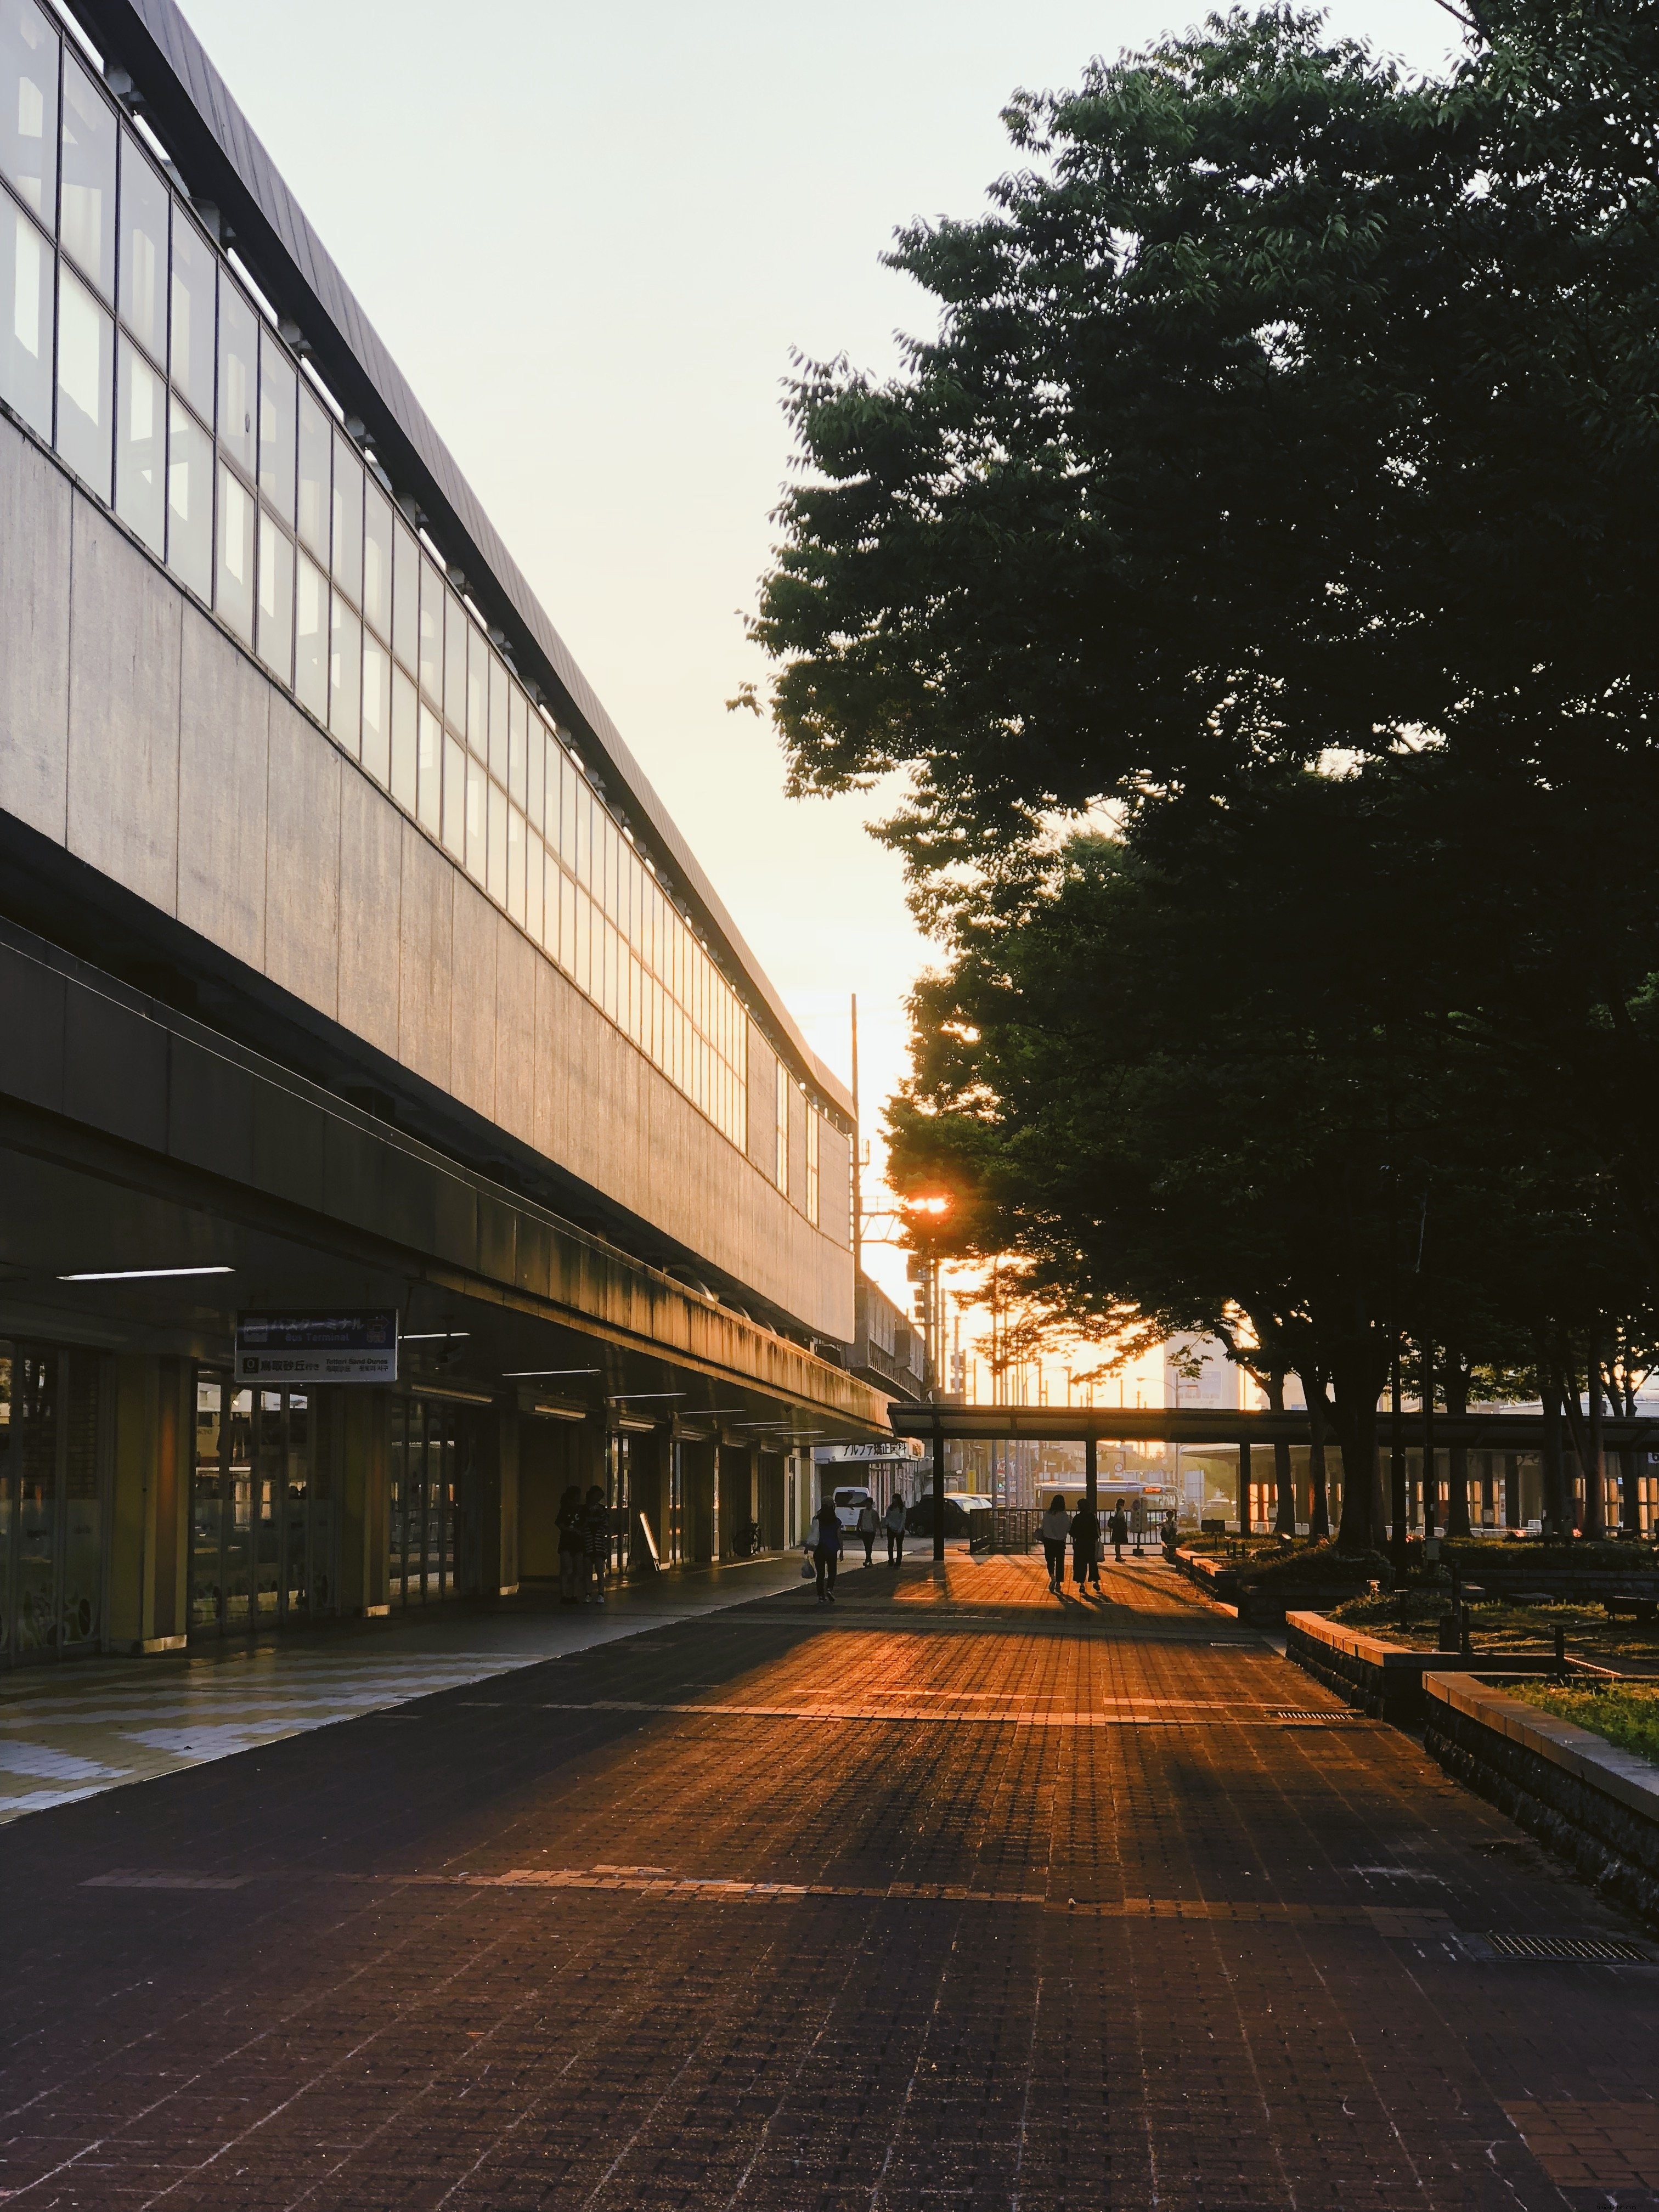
x=1560, y=1651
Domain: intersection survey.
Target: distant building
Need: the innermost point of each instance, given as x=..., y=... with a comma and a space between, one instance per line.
x=887, y=1348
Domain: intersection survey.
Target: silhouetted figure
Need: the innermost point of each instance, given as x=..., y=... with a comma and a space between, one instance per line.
x=869, y=1529
x=1057, y=1527
x=825, y=1547
x=595, y=1527
x=893, y=1519
x=1086, y=1546
x=1119, y=1532
x=573, y=1545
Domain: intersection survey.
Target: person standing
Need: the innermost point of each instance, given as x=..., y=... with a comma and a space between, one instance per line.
x=1056, y=1526
x=1120, y=1531
x=894, y=1521
x=573, y=1545
x=826, y=1538
x=595, y=1527
x=869, y=1529
x=1086, y=1546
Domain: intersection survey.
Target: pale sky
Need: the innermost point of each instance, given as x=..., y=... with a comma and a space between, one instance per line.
x=592, y=237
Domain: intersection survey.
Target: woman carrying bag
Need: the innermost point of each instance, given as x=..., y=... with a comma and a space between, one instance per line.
x=824, y=1542
x=1057, y=1527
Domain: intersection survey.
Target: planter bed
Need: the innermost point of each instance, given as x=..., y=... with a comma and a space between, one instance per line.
x=1217, y=1578
x=1592, y=1804
x=1384, y=1681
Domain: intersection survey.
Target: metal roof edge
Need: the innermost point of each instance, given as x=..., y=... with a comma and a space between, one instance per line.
x=222, y=155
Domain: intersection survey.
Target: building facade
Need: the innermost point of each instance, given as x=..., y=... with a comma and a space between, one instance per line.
x=347, y=961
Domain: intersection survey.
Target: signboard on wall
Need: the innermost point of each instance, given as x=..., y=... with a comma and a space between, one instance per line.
x=881, y=1447
x=289, y=1350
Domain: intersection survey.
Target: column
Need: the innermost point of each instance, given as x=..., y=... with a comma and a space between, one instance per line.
x=359, y=1424
x=1244, y=1489
x=147, y=1558
x=495, y=1447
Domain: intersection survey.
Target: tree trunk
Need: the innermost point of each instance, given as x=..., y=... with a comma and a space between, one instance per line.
x=1319, y=1519
x=1284, y=1514
x=1457, y=1455
x=1584, y=1444
x=1556, y=1522
x=1354, y=1417
x=1595, y=1461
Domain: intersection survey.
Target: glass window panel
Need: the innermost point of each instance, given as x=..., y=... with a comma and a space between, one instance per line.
x=28, y=107
x=86, y=213
x=346, y=677
x=192, y=289
x=613, y=858
x=377, y=561
x=581, y=966
x=515, y=766
x=497, y=844
x=431, y=671
x=568, y=901
x=477, y=821
x=86, y=372
x=141, y=415
x=278, y=401
x=536, y=768
x=454, y=691
x=405, y=720
x=144, y=200
x=477, y=691
x=238, y=352
x=535, y=863
x=26, y=269
x=315, y=441
x=190, y=501
x=311, y=639
x=515, y=865
x=405, y=598
x=581, y=833
x=500, y=716
x=430, y=801
x=348, y=520
x=570, y=789
x=233, y=589
x=377, y=710
x=276, y=622
x=454, y=797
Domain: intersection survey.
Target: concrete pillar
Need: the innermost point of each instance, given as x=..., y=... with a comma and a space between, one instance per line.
x=1513, y=1518
x=1244, y=1489
x=149, y=1540
x=1091, y=1473
x=359, y=1427
x=494, y=1447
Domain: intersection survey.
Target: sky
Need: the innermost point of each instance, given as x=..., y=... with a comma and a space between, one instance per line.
x=594, y=239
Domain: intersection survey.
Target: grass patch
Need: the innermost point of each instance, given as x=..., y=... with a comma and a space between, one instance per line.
x=1624, y=1713
x=1497, y=1627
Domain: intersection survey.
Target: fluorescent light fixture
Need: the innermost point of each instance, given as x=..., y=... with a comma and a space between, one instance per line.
x=628, y=1397
x=520, y=1374
x=140, y=1274
x=434, y=1335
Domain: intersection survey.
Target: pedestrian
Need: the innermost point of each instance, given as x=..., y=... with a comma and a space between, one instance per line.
x=595, y=1527
x=893, y=1519
x=869, y=1529
x=1086, y=1546
x=825, y=1536
x=1120, y=1531
x=573, y=1544
x=1057, y=1527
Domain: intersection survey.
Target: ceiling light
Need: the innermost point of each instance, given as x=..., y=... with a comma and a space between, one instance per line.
x=514, y=1374
x=140, y=1274
x=433, y=1335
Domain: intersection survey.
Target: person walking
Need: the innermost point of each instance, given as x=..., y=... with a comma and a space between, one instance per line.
x=894, y=1521
x=824, y=1539
x=1119, y=1532
x=1086, y=1546
x=869, y=1529
x=596, y=1528
x=1056, y=1526
x=573, y=1544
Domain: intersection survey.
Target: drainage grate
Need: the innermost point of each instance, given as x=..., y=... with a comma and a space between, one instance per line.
x=1320, y=1713
x=1596, y=1948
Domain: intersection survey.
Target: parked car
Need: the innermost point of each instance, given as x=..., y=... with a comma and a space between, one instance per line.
x=849, y=1504
x=962, y=1513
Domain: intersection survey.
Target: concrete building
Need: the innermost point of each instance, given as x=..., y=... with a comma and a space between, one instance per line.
x=349, y=964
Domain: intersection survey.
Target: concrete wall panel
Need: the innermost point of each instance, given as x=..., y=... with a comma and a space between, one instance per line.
x=371, y=882
x=472, y=1005
x=302, y=865
x=223, y=746
x=125, y=622
x=762, y=1105
x=425, y=934
x=516, y=962
x=35, y=502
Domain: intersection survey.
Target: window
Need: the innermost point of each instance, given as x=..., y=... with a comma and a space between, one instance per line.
x=348, y=520
x=454, y=691
x=28, y=108
x=276, y=624
x=345, y=678
x=812, y=1127
x=314, y=493
x=497, y=844
x=377, y=710
x=455, y=797
x=85, y=213
x=140, y=447
x=278, y=399
x=406, y=718
x=26, y=268
x=535, y=864
x=190, y=502
x=477, y=822
x=780, y=1174
x=429, y=807
x=238, y=343
x=536, y=794
x=86, y=374
x=502, y=725
x=377, y=563
x=405, y=598
x=190, y=337
x=431, y=670
x=144, y=250
x=233, y=592
x=478, y=693
x=311, y=641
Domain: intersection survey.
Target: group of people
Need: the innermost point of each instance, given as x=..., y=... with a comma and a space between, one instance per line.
x=825, y=1536
x=584, y=1526
x=1083, y=1531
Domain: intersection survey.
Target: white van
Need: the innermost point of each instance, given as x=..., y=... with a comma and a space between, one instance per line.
x=849, y=1504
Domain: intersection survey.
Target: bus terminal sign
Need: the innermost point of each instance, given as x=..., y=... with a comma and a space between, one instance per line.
x=290, y=1349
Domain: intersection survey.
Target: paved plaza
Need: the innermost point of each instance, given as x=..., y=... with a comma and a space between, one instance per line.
x=951, y=1895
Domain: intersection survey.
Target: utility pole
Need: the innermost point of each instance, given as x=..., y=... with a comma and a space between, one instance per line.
x=857, y=1146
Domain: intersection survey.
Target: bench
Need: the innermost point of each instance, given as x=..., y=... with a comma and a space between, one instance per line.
x=1630, y=1603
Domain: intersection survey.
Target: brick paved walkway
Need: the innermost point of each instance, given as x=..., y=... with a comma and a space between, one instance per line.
x=953, y=1895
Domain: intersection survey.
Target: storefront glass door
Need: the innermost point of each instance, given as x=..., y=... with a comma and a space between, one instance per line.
x=53, y=1481
x=262, y=1525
